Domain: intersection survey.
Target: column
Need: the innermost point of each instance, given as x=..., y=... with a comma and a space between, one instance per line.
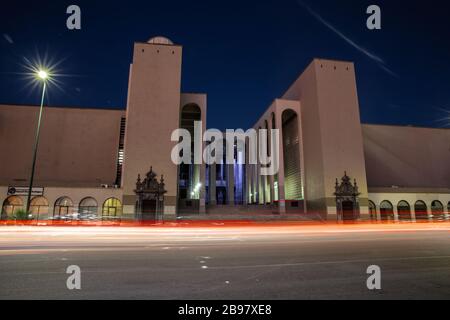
x=253, y=183
x=230, y=183
x=202, y=196
x=271, y=178
x=212, y=184
x=246, y=186
x=272, y=188
x=395, y=213
x=281, y=193
x=429, y=213
x=413, y=213
x=378, y=213
x=446, y=210
x=263, y=189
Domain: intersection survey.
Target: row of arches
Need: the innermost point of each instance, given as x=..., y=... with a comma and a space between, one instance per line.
x=189, y=173
x=265, y=189
x=63, y=207
x=405, y=212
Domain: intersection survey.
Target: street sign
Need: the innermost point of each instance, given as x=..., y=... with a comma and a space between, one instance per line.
x=23, y=191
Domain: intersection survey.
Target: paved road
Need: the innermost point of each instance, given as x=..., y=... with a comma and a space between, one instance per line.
x=259, y=262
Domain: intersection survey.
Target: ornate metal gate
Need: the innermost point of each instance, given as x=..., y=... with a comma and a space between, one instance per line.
x=150, y=198
x=347, y=203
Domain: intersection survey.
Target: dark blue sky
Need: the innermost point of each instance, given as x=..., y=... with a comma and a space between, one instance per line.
x=243, y=54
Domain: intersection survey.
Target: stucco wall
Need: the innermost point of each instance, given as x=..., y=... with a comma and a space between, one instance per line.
x=77, y=147
x=332, y=139
x=262, y=187
x=152, y=115
x=407, y=157
x=76, y=195
x=411, y=198
x=200, y=99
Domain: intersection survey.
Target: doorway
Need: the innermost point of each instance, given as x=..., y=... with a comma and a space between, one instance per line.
x=149, y=209
x=348, y=210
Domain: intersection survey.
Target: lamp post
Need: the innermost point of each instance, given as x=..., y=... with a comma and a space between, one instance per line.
x=42, y=75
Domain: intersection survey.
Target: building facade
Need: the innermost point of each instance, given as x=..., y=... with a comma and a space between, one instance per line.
x=107, y=164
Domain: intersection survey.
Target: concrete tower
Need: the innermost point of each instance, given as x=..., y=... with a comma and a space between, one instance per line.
x=153, y=111
x=332, y=139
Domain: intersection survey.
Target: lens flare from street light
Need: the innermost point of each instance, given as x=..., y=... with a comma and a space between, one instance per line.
x=445, y=121
x=43, y=74
x=42, y=69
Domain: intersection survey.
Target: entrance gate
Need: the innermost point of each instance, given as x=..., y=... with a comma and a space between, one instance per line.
x=347, y=205
x=150, y=198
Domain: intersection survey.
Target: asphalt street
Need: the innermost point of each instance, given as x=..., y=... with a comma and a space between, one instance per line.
x=221, y=262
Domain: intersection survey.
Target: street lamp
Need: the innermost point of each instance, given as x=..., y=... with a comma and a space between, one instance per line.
x=42, y=75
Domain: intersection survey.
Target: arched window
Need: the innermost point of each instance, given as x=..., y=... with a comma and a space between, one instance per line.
x=63, y=207
x=273, y=121
x=266, y=124
x=265, y=179
x=404, y=210
x=88, y=208
x=11, y=205
x=112, y=209
x=39, y=207
x=448, y=210
x=421, y=210
x=188, y=173
x=291, y=155
x=260, y=189
x=437, y=209
x=275, y=178
x=372, y=210
x=386, y=210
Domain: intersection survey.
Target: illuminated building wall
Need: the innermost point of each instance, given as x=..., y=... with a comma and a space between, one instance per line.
x=89, y=156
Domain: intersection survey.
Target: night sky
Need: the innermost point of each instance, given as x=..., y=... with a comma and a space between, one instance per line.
x=242, y=54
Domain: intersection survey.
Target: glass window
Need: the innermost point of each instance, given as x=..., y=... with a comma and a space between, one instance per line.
x=372, y=210
x=112, y=209
x=437, y=210
x=39, y=207
x=404, y=211
x=11, y=205
x=421, y=210
x=88, y=208
x=63, y=207
x=386, y=210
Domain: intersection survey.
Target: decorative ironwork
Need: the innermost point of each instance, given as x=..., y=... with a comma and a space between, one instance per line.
x=150, y=194
x=347, y=204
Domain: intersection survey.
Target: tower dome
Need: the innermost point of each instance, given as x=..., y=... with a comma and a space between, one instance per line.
x=160, y=40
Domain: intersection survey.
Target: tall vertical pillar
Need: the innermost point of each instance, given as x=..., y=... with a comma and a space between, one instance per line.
x=272, y=189
x=258, y=173
x=264, y=187
x=230, y=183
x=271, y=177
x=212, y=184
x=246, y=185
x=257, y=193
x=202, y=208
x=281, y=192
x=255, y=183
x=251, y=183
x=258, y=184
